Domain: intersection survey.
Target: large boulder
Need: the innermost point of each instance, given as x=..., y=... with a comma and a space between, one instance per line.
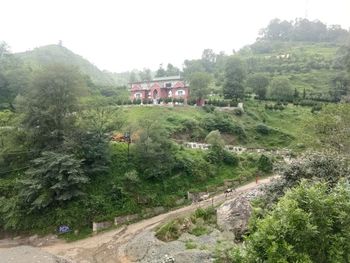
x=233, y=215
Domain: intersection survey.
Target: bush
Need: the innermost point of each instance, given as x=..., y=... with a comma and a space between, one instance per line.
x=316, y=108
x=170, y=231
x=209, y=108
x=262, y=129
x=223, y=123
x=308, y=224
x=265, y=164
x=238, y=112
x=191, y=102
x=230, y=158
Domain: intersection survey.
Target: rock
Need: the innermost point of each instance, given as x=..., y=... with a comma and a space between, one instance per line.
x=193, y=256
x=180, y=201
x=32, y=239
x=233, y=215
x=146, y=248
x=27, y=254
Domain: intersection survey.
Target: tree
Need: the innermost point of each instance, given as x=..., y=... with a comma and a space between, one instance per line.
x=208, y=60
x=172, y=71
x=145, y=75
x=215, y=140
x=341, y=86
x=53, y=178
x=192, y=66
x=296, y=93
x=332, y=127
x=309, y=224
x=161, y=72
x=51, y=105
x=133, y=77
x=153, y=151
x=217, y=144
x=90, y=141
x=258, y=82
x=234, y=77
x=281, y=89
x=199, y=84
x=328, y=168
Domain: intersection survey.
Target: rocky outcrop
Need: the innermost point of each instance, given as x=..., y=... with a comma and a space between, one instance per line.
x=146, y=248
x=233, y=215
x=27, y=254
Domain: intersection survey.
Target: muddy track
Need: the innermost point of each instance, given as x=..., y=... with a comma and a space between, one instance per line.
x=110, y=246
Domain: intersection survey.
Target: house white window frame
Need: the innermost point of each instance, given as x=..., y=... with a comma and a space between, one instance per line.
x=180, y=92
x=138, y=95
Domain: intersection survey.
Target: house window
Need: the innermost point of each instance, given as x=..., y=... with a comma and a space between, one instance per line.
x=138, y=96
x=180, y=92
x=168, y=85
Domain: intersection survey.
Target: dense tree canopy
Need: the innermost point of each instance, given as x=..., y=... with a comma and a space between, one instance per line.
x=235, y=74
x=259, y=83
x=308, y=224
x=332, y=127
x=51, y=104
x=303, y=30
x=200, y=82
x=281, y=89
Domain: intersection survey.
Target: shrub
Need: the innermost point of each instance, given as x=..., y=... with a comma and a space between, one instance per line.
x=265, y=164
x=230, y=158
x=262, y=129
x=191, y=102
x=316, y=108
x=233, y=103
x=209, y=108
x=308, y=224
x=238, y=112
x=190, y=244
x=170, y=231
x=199, y=230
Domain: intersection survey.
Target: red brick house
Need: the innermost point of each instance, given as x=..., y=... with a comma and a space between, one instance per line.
x=160, y=88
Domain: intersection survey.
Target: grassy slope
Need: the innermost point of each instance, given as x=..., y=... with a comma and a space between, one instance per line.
x=288, y=126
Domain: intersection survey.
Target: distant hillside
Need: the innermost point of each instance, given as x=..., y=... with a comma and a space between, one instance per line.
x=59, y=54
x=309, y=66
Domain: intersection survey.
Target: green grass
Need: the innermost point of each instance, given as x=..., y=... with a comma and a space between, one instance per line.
x=190, y=244
x=71, y=236
x=287, y=126
x=199, y=231
x=199, y=223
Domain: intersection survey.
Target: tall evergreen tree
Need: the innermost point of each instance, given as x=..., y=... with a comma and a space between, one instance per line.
x=234, y=77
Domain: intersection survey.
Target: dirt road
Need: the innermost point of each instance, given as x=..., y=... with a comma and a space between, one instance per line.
x=109, y=246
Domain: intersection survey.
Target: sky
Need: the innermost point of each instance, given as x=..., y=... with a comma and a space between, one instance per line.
x=121, y=35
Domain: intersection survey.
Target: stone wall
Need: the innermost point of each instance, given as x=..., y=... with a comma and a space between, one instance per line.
x=125, y=219
x=238, y=149
x=96, y=226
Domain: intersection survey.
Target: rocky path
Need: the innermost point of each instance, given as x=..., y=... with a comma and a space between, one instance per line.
x=110, y=246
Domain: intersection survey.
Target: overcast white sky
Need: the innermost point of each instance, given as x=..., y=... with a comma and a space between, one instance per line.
x=120, y=35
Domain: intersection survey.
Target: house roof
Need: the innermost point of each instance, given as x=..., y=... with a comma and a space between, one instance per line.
x=159, y=79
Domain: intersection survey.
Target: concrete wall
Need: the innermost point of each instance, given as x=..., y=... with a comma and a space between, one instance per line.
x=96, y=226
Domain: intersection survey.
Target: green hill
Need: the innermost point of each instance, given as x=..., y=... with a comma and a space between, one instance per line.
x=58, y=54
x=309, y=66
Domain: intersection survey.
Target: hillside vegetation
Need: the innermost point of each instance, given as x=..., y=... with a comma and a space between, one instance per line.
x=58, y=159
x=52, y=54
